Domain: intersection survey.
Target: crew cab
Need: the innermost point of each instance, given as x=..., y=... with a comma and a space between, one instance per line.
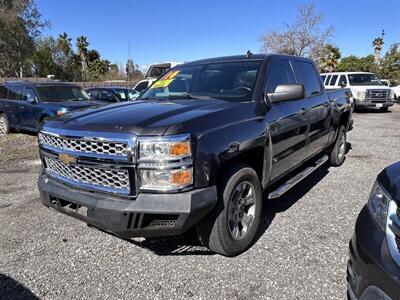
x=24, y=105
x=198, y=149
x=368, y=91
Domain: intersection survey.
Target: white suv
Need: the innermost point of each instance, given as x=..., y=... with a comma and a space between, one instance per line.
x=367, y=89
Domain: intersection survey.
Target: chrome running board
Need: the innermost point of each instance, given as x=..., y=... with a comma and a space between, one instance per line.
x=296, y=179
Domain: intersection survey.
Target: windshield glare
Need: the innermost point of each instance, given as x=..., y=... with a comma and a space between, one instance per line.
x=231, y=81
x=364, y=79
x=61, y=93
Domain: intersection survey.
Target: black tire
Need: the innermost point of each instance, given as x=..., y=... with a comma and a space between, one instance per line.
x=4, y=126
x=217, y=230
x=338, y=153
x=384, y=109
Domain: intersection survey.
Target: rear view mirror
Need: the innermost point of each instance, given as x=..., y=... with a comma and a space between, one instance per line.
x=285, y=92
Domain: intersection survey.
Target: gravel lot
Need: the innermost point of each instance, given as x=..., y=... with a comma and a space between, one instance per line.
x=301, y=253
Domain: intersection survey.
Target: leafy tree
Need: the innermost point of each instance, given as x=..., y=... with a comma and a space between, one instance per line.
x=354, y=63
x=20, y=25
x=330, y=58
x=390, y=64
x=304, y=37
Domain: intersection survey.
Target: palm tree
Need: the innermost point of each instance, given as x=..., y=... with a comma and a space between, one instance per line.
x=64, y=43
x=82, y=45
x=377, y=44
x=330, y=59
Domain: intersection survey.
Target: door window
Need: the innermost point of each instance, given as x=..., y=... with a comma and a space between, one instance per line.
x=15, y=92
x=343, y=80
x=105, y=95
x=3, y=92
x=93, y=94
x=142, y=86
x=308, y=76
x=279, y=72
x=29, y=94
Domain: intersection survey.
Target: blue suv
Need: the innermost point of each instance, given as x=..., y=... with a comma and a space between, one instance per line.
x=24, y=105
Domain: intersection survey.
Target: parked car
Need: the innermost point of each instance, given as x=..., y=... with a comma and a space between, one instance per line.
x=112, y=94
x=396, y=92
x=154, y=72
x=367, y=89
x=196, y=152
x=24, y=105
x=373, y=270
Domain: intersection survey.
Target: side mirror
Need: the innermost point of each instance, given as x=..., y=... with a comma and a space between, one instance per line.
x=342, y=84
x=285, y=92
x=33, y=100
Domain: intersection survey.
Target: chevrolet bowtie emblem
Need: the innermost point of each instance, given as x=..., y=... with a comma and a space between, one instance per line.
x=67, y=159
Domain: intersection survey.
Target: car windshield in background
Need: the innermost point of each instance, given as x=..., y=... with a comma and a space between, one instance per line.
x=232, y=81
x=364, y=79
x=54, y=93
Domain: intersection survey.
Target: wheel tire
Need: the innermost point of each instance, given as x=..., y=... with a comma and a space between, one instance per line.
x=338, y=152
x=217, y=230
x=384, y=109
x=4, y=126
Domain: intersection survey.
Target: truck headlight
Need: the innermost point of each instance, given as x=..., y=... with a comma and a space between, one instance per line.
x=164, y=148
x=165, y=163
x=378, y=205
x=360, y=95
x=62, y=110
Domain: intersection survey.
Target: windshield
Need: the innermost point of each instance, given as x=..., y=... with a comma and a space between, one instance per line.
x=364, y=79
x=54, y=93
x=231, y=81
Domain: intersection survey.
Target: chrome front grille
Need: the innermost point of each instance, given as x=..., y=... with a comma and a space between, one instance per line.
x=89, y=146
x=98, y=178
x=378, y=94
x=393, y=230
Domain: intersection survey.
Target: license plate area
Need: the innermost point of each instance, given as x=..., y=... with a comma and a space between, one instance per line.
x=379, y=105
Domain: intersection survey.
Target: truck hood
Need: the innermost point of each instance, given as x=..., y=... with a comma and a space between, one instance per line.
x=148, y=117
x=356, y=88
x=71, y=105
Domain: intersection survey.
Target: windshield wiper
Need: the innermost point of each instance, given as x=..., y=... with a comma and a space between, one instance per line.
x=189, y=96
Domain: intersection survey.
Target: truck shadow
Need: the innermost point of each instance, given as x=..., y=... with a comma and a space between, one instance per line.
x=12, y=289
x=188, y=244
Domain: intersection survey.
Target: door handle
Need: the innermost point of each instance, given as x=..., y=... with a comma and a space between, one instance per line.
x=303, y=111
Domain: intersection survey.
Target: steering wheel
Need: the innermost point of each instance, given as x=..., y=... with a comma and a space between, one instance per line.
x=243, y=88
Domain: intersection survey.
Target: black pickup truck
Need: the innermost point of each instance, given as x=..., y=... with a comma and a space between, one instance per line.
x=198, y=149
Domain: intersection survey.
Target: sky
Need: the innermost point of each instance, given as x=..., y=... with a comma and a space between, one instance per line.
x=186, y=30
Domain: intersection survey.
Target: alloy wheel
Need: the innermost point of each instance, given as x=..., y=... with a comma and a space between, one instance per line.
x=241, y=210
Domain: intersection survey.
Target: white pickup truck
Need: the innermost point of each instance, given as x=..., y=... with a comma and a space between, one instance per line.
x=153, y=73
x=368, y=91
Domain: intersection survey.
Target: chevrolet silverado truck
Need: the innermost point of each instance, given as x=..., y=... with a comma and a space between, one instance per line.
x=24, y=105
x=197, y=150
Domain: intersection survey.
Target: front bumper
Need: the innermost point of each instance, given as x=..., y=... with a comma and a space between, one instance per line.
x=373, y=103
x=149, y=215
x=371, y=271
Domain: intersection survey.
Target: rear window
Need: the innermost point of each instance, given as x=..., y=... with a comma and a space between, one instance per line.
x=60, y=93
x=307, y=75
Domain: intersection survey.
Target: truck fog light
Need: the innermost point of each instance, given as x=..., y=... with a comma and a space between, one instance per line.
x=166, y=180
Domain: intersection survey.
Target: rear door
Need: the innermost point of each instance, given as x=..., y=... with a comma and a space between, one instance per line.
x=21, y=111
x=29, y=96
x=319, y=114
x=287, y=124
